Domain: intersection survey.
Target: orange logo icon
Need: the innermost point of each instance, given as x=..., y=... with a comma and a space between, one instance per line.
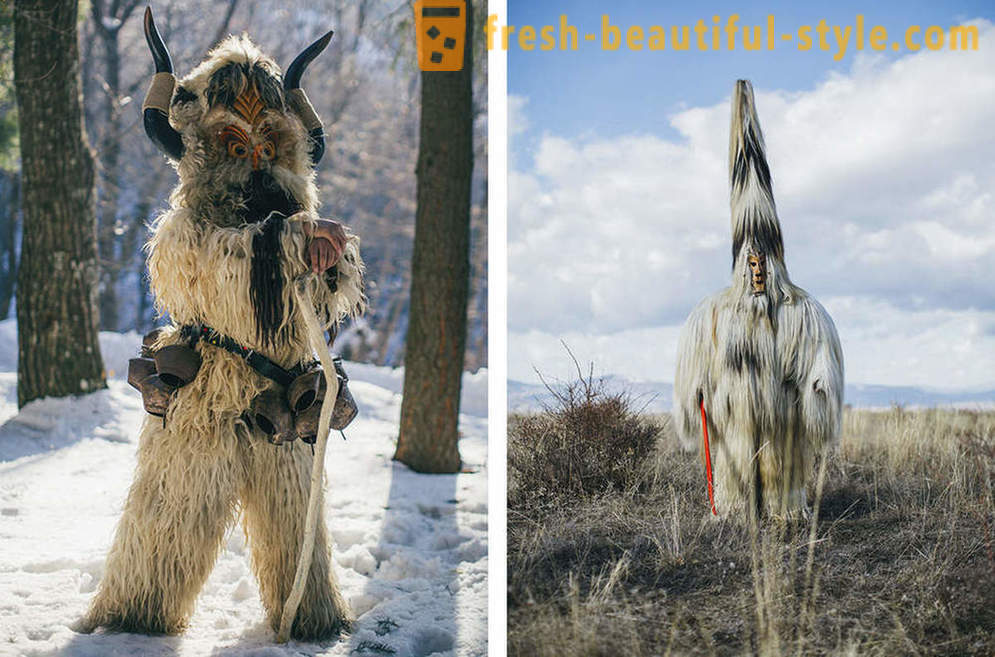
x=440, y=31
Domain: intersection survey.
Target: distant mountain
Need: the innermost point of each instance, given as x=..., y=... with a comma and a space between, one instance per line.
x=874, y=396
x=656, y=397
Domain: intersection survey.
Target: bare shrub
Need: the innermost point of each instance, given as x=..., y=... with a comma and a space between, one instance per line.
x=588, y=441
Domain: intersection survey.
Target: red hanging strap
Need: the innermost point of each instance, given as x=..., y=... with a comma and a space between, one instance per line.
x=708, y=458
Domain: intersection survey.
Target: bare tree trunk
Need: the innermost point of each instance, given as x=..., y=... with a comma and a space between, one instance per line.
x=58, y=352
x=110, y=152
x=107, y=22
x=10, y=207
x=223, y=28
x=10, y=174
x=434, y=352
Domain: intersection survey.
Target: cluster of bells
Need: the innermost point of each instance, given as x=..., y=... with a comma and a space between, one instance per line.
x=281, y=415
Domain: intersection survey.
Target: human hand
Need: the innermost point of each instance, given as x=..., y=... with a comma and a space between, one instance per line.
x=328, y=240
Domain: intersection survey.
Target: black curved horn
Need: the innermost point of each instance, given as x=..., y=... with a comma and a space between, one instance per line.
x=162, y=134
x=163, y=64
x=292, y=80
x=156, y=121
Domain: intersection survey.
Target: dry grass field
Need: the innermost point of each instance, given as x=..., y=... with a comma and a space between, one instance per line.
x=612, y=550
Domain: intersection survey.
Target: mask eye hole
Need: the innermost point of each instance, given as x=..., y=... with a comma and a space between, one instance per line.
x=267, y=151
x=235, y=141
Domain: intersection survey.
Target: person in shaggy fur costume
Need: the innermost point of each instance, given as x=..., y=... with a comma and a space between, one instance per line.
x=241, y=229
x=759, y=362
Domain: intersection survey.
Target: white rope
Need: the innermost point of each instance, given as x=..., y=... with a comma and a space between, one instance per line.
x=318, y=466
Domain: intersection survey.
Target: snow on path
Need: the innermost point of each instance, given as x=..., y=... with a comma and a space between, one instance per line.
x=410, y=550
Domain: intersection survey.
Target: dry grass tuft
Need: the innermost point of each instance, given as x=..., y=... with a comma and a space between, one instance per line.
x=623, y=558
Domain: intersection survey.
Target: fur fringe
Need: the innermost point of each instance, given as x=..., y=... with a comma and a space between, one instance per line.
x=184, y=498
x=769, y=367
x=771, y=388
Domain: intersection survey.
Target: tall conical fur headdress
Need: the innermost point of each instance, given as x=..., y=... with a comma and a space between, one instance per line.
x=754, y=216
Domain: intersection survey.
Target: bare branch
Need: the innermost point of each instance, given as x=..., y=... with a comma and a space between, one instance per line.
x=129, y=9
x=97, y=13
x=223, y=28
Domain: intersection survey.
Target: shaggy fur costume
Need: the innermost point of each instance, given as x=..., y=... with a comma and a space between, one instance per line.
x=768, y=365
x=202, y=464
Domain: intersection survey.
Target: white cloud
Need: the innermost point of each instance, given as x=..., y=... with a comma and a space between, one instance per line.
x=518, y=122
x=883, y=179
x=939, y=349
x=934, y=348
x=647, y=354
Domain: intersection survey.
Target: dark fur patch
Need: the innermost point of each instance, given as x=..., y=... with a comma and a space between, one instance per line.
x=264, y=200
x=229, y=81
x=740, y=356
x=764, y=231
x=262, y=195
x=269, y=87
x=226, y=84
x=332, y=278
x=183, y=95
x=751, y=157
x=758, y=484
x=266, y=280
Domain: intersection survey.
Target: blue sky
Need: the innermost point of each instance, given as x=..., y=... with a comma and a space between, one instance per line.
x=621, y=92
x=618, y=203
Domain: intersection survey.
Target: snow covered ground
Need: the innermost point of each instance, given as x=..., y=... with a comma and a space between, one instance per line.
x=410, y=549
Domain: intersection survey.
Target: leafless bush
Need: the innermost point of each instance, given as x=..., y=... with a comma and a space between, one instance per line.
x=588, y=441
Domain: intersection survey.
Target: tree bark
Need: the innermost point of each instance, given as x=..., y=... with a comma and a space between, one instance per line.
x=440, y=269
x=58, y=352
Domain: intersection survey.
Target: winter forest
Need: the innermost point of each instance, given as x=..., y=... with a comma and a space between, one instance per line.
x=366, y=89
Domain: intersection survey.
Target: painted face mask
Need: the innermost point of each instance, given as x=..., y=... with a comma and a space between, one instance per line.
x=244, y=85
x=758, y=272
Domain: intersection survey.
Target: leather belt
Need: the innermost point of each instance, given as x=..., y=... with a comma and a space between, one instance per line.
x=252, y=358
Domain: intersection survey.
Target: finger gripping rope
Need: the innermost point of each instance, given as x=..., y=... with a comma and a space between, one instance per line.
x=708, y=458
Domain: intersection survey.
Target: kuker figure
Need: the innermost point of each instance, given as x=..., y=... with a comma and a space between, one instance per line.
x=759, y=364
x=233, y=380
